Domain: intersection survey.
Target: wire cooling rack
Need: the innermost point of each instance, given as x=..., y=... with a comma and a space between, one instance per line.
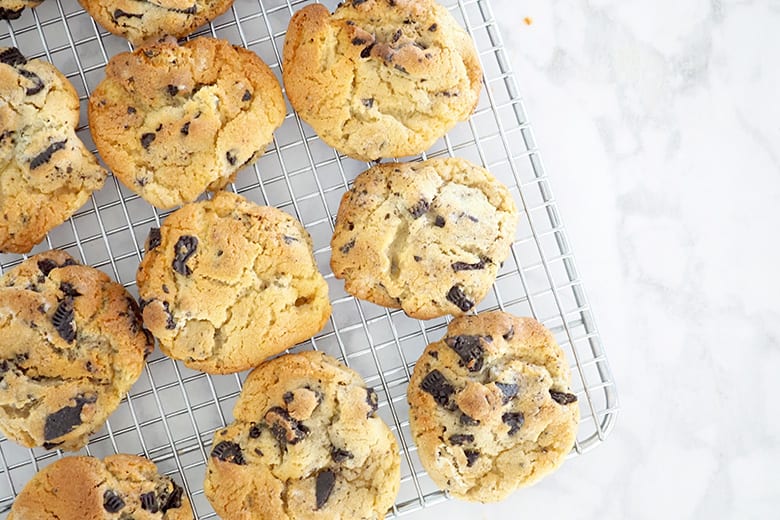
x=172, y=412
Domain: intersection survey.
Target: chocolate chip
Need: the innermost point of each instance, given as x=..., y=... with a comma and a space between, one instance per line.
x=147, y=138
x=184, y=249
x=470, y=350
x=190, y=10
x=356, y=3
x=118, y=13
x=65, y=419
x=508, y=389
x=326, y=480
x=338, y=455
x=45, y=156
x=368, y=102
x=471, y=457
x=366, y=52
x=510, y=333
x=10, y=14
x=464, y=266
x=288, y=397
x=63, y=320
x=227, y=451
x=284, y=427
x=417, y=258
x=439, y=222
x=52, y=445
x=172, y=90
x=373, y=402
x=437, y=385
x=433, y=27
x=419, y=209
x=12, y=56
x=149, y=502
x=255, y=431
x=259, y=452
x=397, y=35
x=459, y=439
x=514, y=420
x=112, y=502
x=358, y=41
x=172, y=501
x=46, y=266
x=289, y=240
x=159, y=127
x=131, y=110
x=185, y=129
x=563, y=397
x=459, y=299
x=467, y=420
x=231, y=158
x=346, y=247
x=154, y=238
x=401, y=68
x=68, y=290
x=247, y=96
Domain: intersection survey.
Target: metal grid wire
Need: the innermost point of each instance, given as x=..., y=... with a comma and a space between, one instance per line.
x=172, y=412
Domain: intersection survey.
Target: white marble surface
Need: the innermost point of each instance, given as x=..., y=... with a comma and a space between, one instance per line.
x=659, y=124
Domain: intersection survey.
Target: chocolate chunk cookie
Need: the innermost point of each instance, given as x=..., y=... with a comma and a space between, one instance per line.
x=226, y=283
x=426, y=237
x=46, y=171
x=144, y=20
x=380, y=79
x=120, y=487
x=12, y=9
x=491, y=408
x=173, y=121
x=71, y=346
x=307, y=443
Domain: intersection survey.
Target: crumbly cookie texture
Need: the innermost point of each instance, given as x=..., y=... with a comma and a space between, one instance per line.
x=141, y=21
x=306, y=444
x=380, y=79
x=427, y=237
x=71, y=346
x=46, y=171
x=226, y=283
x=120, y=487
x=491, y=408
x=173, y=121
x=12, y=9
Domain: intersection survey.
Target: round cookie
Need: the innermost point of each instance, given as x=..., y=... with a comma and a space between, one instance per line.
x=380, y=79
x=12, y=9
x=173, y=121
x=490, y=406
x=46, y=171
x=226, y=283
x=71, y=346
x=141, y=21
x=120, y=487
x=426, y=237
x=306, y=445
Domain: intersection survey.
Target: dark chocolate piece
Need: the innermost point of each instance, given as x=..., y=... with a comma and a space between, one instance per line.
x=439, y=222
x=190, y=10
x=358, y=41
x=255, y=431
x=12, y=56
x=563, y=397
x=347, y=247
x=45, y=156
x=420, y=209
x=366, y=52
x=112, y=502
x=68, y=290
x=437, y=385
x=284, y=427
x=65, y=419
x=227, y=451
x=184, y=249
x=470, y=350
x=509, y=334
x=185, y=128
x=433, y=27
x=467, y=420
x=131, y=110
x=46, y=266
x=508, y=389
x=10, y=14
x=38, y=82
x=368, y=102
x=463, y=266
x=288, y=397
x=63, y=320
x=461, y=438
x=459, y=299
x=231, y=158
x=338, y=455
x=397, y=35
x=149, y=502
x=118, y=13
x=172, y=90
x=326, y=480
x=247, y=96
x=147, y=138
x=471, y=457
x=514, y=420
x=154, y=238
x=373, y=402
x=172, y=501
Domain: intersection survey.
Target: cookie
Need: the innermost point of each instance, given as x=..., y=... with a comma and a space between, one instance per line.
x=172, y=120
x=12, y=9
x=490, y=406
x=426, y=237
x=141, y=21
x=71, y=346
x=380, y=79
x=226, y=283
x=120, y=487
x=47, y=173
x=305, y=445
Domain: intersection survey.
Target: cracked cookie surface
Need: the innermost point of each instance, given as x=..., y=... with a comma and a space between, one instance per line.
x=380, y=79
x=490, y=406
x=173, y=121
x=226, y=283
x=141, y=21
x=306, y=443
x=426, y=237
x=71, y=346
x=12, y=9
x=46, y=172
x=120, y=487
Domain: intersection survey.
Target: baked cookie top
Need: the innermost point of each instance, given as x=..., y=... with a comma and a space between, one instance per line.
x=71, y=346
x=380, y=79
x=120, y=487
x=174, y=120
x=12, y=9
x=144, y=20
x=226, y=283
x=46, y=171
x=426, y=237
x=306, y=443
x=491, y=408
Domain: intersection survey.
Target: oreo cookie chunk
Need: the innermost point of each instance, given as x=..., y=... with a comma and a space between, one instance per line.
x=47, y=173
x=120, y=487
x=490, y=406
x=309, y=444
x=427, y=237
x=72, y=343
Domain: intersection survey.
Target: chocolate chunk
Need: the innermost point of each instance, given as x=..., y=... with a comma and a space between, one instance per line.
x=172, y=90
x=469, y=349
x=463, y=266
x=437, y=385
x=439, y=222
x=147, y=138
x=131, y=110
x=397, y=35
x=231, y=158
x=68, y=290
x=514, y=420
x=154, y=238
x=184, y=249
x=368, y=102
x=227, y=451
x=112, y=502
x=172, y=501
x=38, y=82
x=185, y=129
x=149, y=502
x=373, y=402
x=118, y=13
x=326, y=480
x=247, y=96
x=289, y=240
x=563, y=397
x=358, y=41
x=255, y=431
x=284, y=427
x=417, y=258
x=12, y=56
x=346, y=247
x=288, y=397
x=459, y=299
x=401, y=68
x=170, y=324
x=10, y=14
x=467, y=420
x=46, y=266
x=52, y=445
x=459, y=439
x=65, y=419
x=419, y=209
x=45, y=156
x=433, y=27
x=471, y=457
x=510, y=333
x=356, y=3
x=63, y=320
x=190, y=10
x=366, y=52
x=338, y=455
x=159, y=127
x=508, y=389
